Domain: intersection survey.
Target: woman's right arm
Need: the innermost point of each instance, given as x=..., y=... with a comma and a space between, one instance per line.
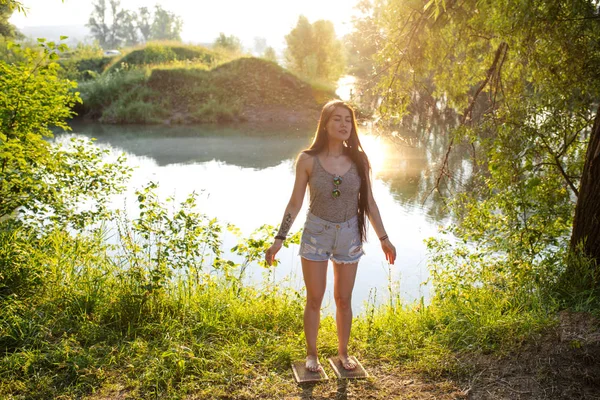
x=303, y=164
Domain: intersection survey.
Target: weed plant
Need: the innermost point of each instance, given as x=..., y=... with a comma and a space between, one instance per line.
x=165, y=313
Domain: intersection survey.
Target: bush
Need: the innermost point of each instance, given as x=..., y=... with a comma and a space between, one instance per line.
x=161, y=52
x=214, y=111
x=100, y=93
x=138, y=105
x=84, y=69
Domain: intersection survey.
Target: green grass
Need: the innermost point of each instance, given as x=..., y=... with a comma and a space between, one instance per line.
x=189, y=84
x=164, y=52
x=79, y=316
x=163, y=314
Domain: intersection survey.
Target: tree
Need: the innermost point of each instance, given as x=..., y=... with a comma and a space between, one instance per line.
x=229, y=43
x=128, y=27
x=299, y=54
x=586, y=224
x=523, y=80
x=314, y=51
x=166, y=25
x=97, y=23
x=329, y=51
x=270, y=54
x=145, y=23
x=365, y=40
x=113, y=40
x=40, y=180
x=7, y=29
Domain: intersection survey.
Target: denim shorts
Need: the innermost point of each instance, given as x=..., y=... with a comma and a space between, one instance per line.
x=323, y=240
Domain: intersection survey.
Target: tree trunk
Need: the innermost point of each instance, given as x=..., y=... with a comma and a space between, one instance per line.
x=586, y=225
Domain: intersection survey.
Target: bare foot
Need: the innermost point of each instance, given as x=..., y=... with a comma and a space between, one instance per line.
x=347, y=362
x=312, y=363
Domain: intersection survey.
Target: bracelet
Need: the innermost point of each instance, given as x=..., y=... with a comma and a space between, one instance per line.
x=280, y=237
x=383, y=238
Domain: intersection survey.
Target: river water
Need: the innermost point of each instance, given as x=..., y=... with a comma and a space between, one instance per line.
x=245, y=175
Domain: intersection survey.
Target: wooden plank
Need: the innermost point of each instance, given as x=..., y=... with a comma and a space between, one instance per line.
x=343, y=373
x=302, y=375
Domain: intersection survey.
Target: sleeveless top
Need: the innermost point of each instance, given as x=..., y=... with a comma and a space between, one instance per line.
x=323, y=204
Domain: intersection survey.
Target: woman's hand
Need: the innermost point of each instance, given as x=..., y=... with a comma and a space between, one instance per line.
x=271, y=251
x=389, y=250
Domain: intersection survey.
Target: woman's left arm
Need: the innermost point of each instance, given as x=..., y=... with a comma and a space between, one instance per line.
x=375, y=218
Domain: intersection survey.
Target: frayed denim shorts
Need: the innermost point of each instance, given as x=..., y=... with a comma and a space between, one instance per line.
x=323, y=240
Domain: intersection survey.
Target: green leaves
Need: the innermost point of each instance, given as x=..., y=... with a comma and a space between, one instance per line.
x=313, y=51
x=42, y=180
x=522, y=78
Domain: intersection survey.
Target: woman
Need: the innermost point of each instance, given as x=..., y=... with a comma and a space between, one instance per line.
x=337, y=170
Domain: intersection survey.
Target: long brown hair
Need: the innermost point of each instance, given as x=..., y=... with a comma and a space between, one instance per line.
x=354, y=150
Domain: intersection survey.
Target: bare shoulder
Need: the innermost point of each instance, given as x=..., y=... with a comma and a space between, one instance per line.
x=305, y=162
x=305, y=159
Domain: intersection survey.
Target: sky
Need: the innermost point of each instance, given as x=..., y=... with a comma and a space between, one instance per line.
x=204, y=20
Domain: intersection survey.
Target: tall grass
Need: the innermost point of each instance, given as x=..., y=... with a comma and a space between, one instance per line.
x=121, y=97
x=191, y=84
x=164, y=313
x=163, y=52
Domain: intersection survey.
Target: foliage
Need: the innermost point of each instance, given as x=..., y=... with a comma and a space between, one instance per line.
x=129, y=28
x=100, y=93
x=157, y=310
x=39, y=179
x=7, y=30
x=163, y=311
x=98, y=26
x=270, y=54
x=313, y=50
x=525, y=105
x=162, y=298
x=166, y=25
x=10, y=56
x=84, y=62
x=365, y=40
x=154, y=53
x=140, y=105
x=231, y=43
x=192, y=93
x=83, y=69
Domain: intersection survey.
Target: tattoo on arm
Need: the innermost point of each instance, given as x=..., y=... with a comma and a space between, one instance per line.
x=286, y=224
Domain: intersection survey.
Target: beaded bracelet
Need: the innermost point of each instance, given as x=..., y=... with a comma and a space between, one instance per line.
x=383, y=238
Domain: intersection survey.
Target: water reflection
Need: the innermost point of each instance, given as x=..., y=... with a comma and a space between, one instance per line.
x=245, y=176
x=256, y=147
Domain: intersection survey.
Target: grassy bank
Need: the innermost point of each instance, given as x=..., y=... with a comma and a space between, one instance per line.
x=188, y=84
x=164, y=52
x=80, y=316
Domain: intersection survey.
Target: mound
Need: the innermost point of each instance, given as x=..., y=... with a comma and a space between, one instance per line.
x=156, y=53
x=249, y=88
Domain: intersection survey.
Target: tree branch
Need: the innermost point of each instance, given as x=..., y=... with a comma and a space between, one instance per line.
x=501, y=51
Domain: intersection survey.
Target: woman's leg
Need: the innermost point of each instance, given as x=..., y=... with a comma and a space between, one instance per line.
x=344, y=277
x=315, y=277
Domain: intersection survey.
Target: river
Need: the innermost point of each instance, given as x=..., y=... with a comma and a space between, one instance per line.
x=245, y=175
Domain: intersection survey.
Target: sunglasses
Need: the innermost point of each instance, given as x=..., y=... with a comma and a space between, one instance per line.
x=337, y=181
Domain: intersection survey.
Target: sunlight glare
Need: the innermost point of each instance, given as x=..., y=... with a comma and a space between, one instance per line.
x=377, y=151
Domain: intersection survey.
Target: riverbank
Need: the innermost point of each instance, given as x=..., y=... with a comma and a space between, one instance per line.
x=242, y=90
x=85, y=319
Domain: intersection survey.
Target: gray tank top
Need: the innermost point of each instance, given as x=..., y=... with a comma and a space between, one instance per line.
x=323, y=204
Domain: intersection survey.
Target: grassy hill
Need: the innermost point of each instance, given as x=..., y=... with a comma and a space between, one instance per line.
x=244, y=89
x=155, y=53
